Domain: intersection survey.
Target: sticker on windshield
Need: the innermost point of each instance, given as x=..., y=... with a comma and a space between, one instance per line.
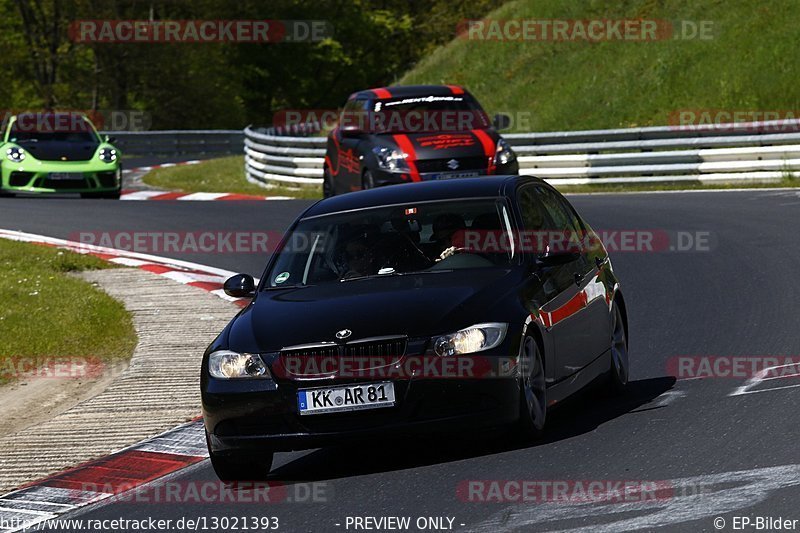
x=283, y=276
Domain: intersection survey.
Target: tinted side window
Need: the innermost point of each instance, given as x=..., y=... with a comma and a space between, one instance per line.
x=534, y=217
x=354, y=114
x=562, y=215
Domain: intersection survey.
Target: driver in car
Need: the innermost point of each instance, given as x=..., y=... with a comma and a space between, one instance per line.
x=445, y=227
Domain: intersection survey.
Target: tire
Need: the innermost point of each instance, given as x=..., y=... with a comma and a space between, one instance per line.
x=367, y=180
x=533, y=391
x=232, y=468
x=328, y=188
x=620, y=361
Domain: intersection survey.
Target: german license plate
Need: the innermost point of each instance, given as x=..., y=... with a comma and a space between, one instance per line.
x=349, y=398
x=455, y=175
x=66, y=176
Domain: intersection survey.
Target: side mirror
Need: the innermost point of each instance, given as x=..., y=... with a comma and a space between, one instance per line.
x=110, y=139
x=554, y=259
x=501, y=122
x=240, y=286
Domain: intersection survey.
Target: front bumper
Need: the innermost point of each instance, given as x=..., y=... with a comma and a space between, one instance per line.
x=263, y=414
x=43, y=177
x=383, y=177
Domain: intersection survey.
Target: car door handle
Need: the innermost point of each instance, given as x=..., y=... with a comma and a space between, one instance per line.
x=578, y=279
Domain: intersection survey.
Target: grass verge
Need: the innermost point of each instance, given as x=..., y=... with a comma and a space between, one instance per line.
x=740, y=65
x=225, y=174
x=48, y=314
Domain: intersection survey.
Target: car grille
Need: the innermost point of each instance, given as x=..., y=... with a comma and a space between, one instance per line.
x=316, y=351
x=367, y=354
x=385, y=347
x=440, y=165
x=19, y=179
x=107, y=179
x=47, y=183
x=382, y=348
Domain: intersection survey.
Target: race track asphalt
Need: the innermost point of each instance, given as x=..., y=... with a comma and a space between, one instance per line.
x=712, y=454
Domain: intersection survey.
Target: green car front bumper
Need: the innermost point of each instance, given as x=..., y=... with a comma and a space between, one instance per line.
x=60, y=177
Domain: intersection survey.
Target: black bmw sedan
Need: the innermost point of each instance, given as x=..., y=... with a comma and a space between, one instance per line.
x=453, y=305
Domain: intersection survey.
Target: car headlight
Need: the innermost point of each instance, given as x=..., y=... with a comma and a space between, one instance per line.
x=15, y=154
x=390, y=160
x=225, y=364
x=107, y=155
x=503, y=154
x=472, y=339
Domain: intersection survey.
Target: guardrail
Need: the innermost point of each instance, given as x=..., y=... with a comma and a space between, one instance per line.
x=178, y=142
x=741, y=152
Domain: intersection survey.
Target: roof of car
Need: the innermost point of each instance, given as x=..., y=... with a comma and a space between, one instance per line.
x=404, y=91
x=480, y=187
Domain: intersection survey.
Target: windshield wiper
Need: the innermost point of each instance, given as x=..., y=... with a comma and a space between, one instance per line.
x=389, y=274
x=278, y=287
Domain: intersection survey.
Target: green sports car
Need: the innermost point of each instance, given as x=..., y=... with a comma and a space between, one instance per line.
x=58, y=152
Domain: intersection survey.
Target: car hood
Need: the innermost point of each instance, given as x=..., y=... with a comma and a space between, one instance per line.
x=61, y=151
x=457, y=144
x=414, y=305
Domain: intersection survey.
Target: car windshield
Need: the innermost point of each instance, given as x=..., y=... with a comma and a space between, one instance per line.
x=394, y=240
x=428, y=114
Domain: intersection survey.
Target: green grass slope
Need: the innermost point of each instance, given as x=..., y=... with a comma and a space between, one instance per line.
x=747, y=65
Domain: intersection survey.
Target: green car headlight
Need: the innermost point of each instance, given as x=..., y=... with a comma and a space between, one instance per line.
x=225, y=364
x=15, y=154
x=107, y=155
x=472, y=339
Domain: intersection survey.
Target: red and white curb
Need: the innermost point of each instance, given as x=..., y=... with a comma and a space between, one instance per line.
x=103, y=478
x=131, y=194
x=136, y=465
x=194, y=196
x=204, y=277
x=162, y=165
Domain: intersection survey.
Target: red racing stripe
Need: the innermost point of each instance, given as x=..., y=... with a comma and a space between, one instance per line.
x=489, y=148
x=382, y=93
x=575, y=304
x=406, y=146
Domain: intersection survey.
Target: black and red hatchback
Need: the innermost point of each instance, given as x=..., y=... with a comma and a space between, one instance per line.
x=413, y=133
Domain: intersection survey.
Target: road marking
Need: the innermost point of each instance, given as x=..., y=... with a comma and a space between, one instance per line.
x=760, y=377
x=695, y=498
x=669, y=397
